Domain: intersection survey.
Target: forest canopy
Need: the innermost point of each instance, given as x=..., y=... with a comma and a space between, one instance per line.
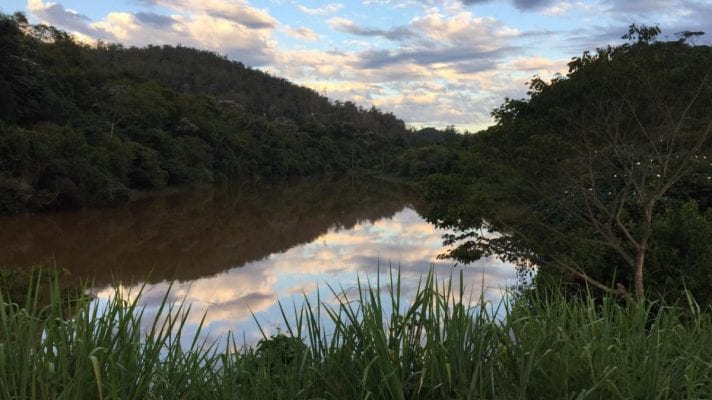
x=88, y=125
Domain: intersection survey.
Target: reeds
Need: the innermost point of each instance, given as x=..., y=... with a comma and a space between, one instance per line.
x=434, y=347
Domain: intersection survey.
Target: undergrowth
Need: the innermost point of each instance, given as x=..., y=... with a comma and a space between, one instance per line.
x=434, y=347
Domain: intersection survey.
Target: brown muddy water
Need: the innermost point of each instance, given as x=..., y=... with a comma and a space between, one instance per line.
x=233, y=251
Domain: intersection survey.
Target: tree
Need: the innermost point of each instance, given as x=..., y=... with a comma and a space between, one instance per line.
x=630, y=157
x=576, y=175
x=642, y=129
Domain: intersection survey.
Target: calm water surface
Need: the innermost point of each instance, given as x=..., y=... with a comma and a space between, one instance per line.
x=230, y=251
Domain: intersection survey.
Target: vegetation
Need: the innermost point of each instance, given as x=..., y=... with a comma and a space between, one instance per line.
x=436, y=347
x=83, y=125
x=599, y=177
x=17, y=282
x=600, y=180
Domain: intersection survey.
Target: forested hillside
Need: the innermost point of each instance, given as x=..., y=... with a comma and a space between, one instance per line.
x=93, y=125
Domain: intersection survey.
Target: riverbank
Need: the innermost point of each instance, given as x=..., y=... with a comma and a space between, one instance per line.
x=436, y=347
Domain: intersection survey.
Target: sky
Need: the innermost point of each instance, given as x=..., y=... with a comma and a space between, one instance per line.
x=430, y=62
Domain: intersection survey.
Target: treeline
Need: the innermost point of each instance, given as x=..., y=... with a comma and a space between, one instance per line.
x=92, y=125
x=601, y=178
x=430, y=151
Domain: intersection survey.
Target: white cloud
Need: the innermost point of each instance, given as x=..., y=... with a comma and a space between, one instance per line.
x=464, y=30
x=447, y=69
x=235, y=39
x=539, y=64
x=558, y=9
x=234, y=28
x=303, y=33
x=327, y=9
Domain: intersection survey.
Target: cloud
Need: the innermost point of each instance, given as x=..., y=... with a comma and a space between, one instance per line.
x=237, y=41
x=246, y=16
x=558, y=9
x=157, y=20
x=671, y=17
x=303, y=33
x=641, y=7
x=236, y=11
x=451, y=68
x=531, y=4
x=348, y=26
x=57, y=15
x=463, y=29
x=478, y=60
x=327, y=9
x=524, y=5
x=233, y=28
x=307, y=64
x=538, y=64
x=473, y=43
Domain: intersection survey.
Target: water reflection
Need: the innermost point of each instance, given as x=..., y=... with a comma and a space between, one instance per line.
x=337, y=257
x=190, y=235
x=238, y=251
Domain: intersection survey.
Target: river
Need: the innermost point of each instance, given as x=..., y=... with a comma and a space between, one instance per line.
x=232, y=252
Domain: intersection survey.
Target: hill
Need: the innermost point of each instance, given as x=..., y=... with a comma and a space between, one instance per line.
x=93, y=125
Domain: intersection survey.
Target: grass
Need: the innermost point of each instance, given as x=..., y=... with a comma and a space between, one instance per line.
x=436, y=347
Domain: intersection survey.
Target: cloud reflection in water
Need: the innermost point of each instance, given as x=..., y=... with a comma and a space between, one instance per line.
x=338, y=257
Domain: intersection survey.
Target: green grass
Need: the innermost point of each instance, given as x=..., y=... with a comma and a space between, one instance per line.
x=435, y=348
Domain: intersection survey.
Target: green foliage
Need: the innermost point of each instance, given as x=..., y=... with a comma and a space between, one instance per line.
x=435, y=346
x=587, y=174
x=91, y=126
x=596, y=348
x=681, y=254
x=16, y=284
x=419, y=162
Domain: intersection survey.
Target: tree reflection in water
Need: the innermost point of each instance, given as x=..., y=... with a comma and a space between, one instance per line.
x=237, y=250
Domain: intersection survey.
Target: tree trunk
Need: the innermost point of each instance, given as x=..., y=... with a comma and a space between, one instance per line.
x=642, y=248
x=638, y=274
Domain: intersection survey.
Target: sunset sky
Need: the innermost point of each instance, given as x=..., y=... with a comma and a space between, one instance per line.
x=431, y=62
